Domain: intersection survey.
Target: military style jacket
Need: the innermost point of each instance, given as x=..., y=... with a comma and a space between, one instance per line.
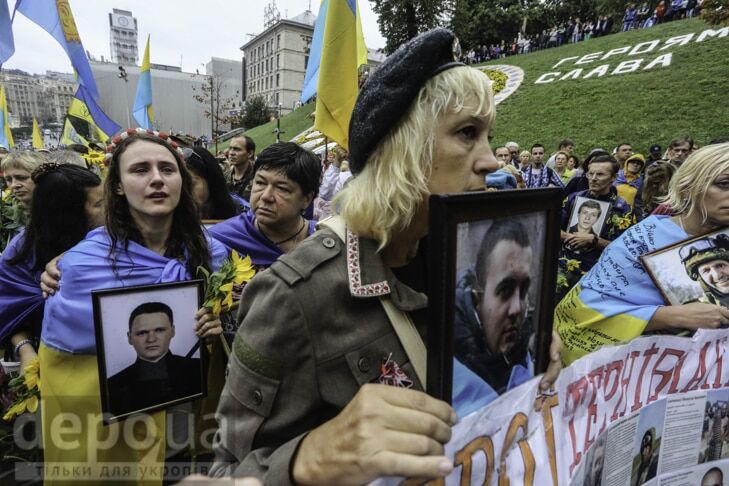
x=312, y=332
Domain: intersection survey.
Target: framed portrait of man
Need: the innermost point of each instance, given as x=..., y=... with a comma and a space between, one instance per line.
x=148, y=354
x=491, y=280
x=588, y=216
x=693, y=270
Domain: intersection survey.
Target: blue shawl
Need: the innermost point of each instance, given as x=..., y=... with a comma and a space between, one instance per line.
x=239, y=233
x=20, y=294
x=68, y=322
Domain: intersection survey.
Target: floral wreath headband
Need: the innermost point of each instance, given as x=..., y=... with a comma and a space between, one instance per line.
x=117, y=139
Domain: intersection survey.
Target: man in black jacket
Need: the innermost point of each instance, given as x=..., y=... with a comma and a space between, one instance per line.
x=157, y=376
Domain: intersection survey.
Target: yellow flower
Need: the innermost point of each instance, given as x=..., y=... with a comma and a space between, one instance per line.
x=14, y=410
x=31, y=403
x=572, y=265
x=217, y=307
x=244, y=270
x=32, y=374
x=6, y=195
x=228, y=300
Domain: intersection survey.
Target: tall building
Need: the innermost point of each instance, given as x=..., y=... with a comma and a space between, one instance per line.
x=274, y=61
x=32, y=95
x=123, y=37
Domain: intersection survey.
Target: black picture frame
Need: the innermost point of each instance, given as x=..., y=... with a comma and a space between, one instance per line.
x=112, y=310
x=447, y=213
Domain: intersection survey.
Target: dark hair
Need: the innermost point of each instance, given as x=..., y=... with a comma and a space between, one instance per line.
x=680, y=141
x=203, y=164
x=624, y=143
x=578, y=162
x=614, y=164
x=501, y=230
x=501, y=146
x=151, y=308
x=535, y=146
x=58, y=217
x=250, y=144
x=565, y=142
x=590, y=204
x=186, y=241
x=296, y=163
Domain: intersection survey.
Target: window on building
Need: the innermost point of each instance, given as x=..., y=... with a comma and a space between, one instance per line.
x=278, y=61
x=306, y=62
x=277, y=80
x=278, y=41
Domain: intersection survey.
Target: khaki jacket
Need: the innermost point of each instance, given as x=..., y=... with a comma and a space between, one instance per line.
x=312, y=332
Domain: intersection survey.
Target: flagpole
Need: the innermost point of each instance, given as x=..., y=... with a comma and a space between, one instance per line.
x=123, y=74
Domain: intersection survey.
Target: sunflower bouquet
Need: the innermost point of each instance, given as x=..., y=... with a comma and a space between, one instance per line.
x=26, y=390
x=221, y=286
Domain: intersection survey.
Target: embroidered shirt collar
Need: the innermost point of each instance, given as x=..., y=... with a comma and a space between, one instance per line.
x=369, y=276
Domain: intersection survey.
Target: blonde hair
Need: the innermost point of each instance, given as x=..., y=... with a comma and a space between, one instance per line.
x=23, y=160
x=688, y=186
x=383, y=198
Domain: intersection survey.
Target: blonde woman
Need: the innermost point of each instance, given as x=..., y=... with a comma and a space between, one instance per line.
x=608, y=307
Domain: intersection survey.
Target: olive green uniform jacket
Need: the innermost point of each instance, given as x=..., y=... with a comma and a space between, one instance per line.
x=312, y=332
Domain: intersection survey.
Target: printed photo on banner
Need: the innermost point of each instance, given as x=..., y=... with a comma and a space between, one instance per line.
x=594, y=464
x=647, y=445
x=713, y=475
x=715, y=431
x=693, y=270
x=148, y=354
x=491, y=289
x=588, y=216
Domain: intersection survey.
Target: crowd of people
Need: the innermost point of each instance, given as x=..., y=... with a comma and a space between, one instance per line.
x=325, y=377
x=642, y=16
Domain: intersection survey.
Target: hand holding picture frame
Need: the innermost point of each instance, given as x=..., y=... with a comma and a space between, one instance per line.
x=148, y=353
x=492, y=274
x=692, y=270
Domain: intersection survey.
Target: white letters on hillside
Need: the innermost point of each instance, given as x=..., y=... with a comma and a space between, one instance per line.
x=626, y=66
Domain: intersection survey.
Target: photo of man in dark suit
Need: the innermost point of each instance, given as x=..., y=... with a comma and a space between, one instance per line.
x=157, y=376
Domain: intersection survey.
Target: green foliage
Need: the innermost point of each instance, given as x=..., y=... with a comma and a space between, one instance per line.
x=715, y=12
x=401, y=20
x=643, y=107
x=256, y=113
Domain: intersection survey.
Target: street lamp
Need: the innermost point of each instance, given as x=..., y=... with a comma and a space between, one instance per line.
x=278, y=125
x=123, y=75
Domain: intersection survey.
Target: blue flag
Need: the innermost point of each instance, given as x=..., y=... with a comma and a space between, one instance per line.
x=7, y=46
x=55, y=17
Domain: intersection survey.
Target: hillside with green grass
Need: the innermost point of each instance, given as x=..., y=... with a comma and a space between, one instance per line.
x=642, y=107
x=291, y=125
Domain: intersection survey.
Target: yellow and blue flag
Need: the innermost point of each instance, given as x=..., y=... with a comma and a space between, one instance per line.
x=56, y=18
x=614, y=302
x=143, y=112
x=337, y=51
x=6, y=136
x=36, y=136
x=88, y=118
x=71, y=136
x=7, y=45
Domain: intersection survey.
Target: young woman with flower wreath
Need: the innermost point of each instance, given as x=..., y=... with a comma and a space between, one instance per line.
x=152, y=235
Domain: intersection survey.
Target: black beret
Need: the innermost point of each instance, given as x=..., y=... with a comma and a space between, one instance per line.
x=391, y=89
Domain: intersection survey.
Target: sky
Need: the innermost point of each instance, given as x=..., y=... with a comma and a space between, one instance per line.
x=183, y=33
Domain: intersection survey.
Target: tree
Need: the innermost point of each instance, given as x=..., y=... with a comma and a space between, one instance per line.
x=401, y=20
x=256, y=112
x=217, y=108
x=476, y=22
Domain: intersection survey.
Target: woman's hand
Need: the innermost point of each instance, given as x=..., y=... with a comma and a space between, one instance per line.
x=578, y=241
x=207, y=324
x=696, y=315
x=51, y=278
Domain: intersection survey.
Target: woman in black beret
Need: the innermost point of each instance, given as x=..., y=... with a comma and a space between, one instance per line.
x=331, y=322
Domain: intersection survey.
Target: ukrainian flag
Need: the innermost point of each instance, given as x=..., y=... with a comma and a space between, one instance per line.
x=143, y=103
x=56, y=18
x=6, y=136
x=36, y=136
x=338, y=49
x=88, y=120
